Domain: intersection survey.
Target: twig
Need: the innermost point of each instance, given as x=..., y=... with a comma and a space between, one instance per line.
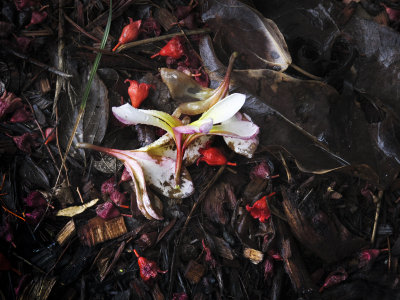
x=305, y=73
x=80, y=29
x=378, y=201
x=60, y=53
x=29, y=263
x=38, y=63
x=161, y=38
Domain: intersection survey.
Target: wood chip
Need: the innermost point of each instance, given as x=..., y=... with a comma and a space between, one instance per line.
x=194, y=272
x=254, y=255
x=45, y=85
x=98, y=230
x=66, y=233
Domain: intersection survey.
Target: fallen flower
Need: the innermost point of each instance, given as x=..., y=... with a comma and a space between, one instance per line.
x=154, y=169
x=213, y=157
x=211, y=122
x=108, y=186
x=138, y=92
x=148, y=268
x=260, y=209
x=129, y=33
x=150, y=27
x=174, y=48
x=117, y=197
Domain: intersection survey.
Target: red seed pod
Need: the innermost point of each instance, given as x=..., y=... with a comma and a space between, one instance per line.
x=138, y=92
x=174, y=48
x=50, y=134
x=148, y=268
x=37, y=18
x=213, y=157
x=129, y=33
x=260, y=209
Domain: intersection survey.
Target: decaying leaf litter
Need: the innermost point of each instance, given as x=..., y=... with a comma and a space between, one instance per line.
x=285, y=189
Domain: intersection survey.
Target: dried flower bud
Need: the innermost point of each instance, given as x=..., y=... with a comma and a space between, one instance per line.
x=148, y=268
x=174, y=48
x=50, y=135
x=129, y=33
x=25, y=142
x=334, y=278
x=213, y=157
x=260, y=209
x=138, y=92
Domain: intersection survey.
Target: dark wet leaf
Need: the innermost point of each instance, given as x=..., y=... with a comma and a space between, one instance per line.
x=238, y=27
x=93, y=126
x=33, y=174
x=323, y=130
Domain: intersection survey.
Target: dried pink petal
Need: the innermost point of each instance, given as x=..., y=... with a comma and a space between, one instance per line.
x=21, y=115
x=268, y=268
x=108, y=186
x=25, y=142
x=35, y=199
x=117, y=197
x=9, y=103
x=262, y=170
x=35, y=216
x=107, y=211
x=367, y=257
x=209, y=258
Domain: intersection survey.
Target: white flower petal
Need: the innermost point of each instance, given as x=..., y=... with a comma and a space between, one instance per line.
x=225, y=108
x=127, y=114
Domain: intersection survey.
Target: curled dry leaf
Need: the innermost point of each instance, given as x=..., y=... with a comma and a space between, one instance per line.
x=75, y=210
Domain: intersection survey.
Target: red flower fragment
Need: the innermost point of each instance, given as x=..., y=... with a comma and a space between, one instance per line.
x=260, y=209
x=138, y=92
x=334, y=278
x=174, y=48
x=213, y=157
x=129, y=33
x=50, y=134
x=148, y=268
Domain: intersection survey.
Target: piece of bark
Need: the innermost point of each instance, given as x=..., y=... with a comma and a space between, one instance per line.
x=66, y=233
x=98, y=230
x=253, y=255
x=45, y=85
x=292, y=260
x=194, y=272
x=324, y=236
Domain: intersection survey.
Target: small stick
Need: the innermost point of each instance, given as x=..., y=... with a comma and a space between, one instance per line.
x=28, y=263
x=161, y=38
x=79, y=193
x=305, y=73
x=38, y=63
x=377, y=200
x=80, y=29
